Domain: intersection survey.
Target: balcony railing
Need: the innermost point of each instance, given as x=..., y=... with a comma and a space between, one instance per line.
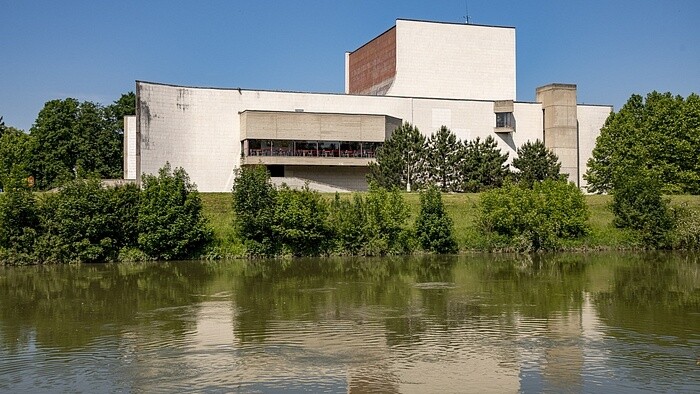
x=311, y=152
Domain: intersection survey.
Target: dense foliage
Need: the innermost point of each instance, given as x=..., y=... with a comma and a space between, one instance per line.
x=386, y=215
x=535, y=163
x=170, y=220
x=301, y=222
x=660, y=134
x=444, y=161
x=373, y=225
x=638, y=204
x=86, y=222
x=536, y=218
x=400, y=160
x=19, y=220
x=254, y=199
x=483, y=166
x=441, y=160
x=69, y=140
x=443, y=155
x=434, y=228
x=16, y=149
x=349, y=218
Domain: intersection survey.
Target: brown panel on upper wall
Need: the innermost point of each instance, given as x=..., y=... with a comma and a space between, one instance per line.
x=372, y=67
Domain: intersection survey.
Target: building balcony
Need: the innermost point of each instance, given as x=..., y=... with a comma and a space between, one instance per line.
x=268, y=154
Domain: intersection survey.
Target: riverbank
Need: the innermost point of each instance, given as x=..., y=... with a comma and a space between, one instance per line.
x=462, y=208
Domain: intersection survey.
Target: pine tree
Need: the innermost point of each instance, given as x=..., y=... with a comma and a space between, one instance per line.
x=483, y=166
x=443, y=159
x=400, y=161
x=536, y=163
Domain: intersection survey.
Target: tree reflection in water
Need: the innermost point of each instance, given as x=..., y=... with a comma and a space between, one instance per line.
x=502, y=322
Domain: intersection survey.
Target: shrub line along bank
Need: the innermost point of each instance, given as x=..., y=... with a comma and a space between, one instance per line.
x=85, y=222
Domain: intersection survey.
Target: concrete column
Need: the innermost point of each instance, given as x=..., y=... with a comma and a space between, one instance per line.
x=347, y=72
x=130, y=147
x=560, y=126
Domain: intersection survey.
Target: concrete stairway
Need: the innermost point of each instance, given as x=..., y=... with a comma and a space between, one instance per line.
x=298, y=183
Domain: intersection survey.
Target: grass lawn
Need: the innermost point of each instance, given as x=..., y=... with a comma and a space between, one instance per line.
x=462, y=208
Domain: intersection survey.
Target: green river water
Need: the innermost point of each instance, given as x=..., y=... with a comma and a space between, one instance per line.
x=604, y=322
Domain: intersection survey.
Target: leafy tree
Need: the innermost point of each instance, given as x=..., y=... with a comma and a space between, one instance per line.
x=434, y=228
x=536, y=163
x=660, y=135
x=72, y=140
x=400, y=160
x=171, y=224
x=254, y=199
x=15, y=154
x=301, y=222
x=115, y=112
x=443, y=156
x=638, y=204
x=2, y=126
x=483, y=166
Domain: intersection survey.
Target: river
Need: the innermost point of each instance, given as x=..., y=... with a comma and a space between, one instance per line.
x=602, y=322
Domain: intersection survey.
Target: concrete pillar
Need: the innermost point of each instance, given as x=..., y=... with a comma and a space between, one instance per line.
x=130, y=147
x=560, y=125
x=347, y=72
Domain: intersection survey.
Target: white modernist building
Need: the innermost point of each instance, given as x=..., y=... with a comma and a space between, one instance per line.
x=427, y=73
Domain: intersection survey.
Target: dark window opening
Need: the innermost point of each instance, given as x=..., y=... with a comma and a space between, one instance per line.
x=276, y=171
x=504, y=119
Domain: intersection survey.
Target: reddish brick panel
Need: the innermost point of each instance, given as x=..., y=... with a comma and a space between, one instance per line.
x=374, y=63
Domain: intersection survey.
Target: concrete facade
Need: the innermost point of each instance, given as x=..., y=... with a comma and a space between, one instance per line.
x=439, y=60
x=561, y=130
x=456, y=75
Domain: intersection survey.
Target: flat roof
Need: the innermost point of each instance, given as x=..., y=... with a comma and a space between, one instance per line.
x=315, y=113
x=455, y=23
x=427, y=21
x=239, y=89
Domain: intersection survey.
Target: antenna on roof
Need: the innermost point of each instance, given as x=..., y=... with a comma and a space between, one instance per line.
x=466, y=8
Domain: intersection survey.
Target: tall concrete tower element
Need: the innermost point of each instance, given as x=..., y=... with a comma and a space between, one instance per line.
x=560, y=124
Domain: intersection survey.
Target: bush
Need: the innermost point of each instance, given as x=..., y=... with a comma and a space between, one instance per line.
x=349, y=219
x=254, y=199
x=434, y=228
x=638, y=205
x=19, y=220
x=385, y=223
x=170, y=222
x=301, y=222
x=371, y=226
x=534, y=219
x=686, y=232
x=86, y=223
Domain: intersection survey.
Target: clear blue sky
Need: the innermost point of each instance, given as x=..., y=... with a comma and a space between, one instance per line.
x=95, y=50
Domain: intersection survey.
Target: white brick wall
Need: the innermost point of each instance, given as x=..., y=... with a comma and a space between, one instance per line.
x=590, y=120
x=449, y=60
x=130, y=147
x=199, y=128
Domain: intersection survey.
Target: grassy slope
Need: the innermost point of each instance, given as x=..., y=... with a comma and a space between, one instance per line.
x=462, y=208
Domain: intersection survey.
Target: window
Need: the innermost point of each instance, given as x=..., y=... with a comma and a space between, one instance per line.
x=504, y=120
